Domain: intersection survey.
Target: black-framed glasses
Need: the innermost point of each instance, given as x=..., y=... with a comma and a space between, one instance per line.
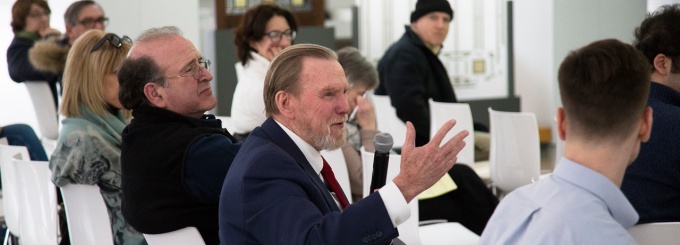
x=113, y=39
x=275, y=36
x=195, y=71
x=89, y=22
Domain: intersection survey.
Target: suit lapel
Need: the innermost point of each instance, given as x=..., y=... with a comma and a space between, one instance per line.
x=280, y=138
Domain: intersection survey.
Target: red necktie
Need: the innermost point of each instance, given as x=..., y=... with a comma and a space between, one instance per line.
x=328, y=175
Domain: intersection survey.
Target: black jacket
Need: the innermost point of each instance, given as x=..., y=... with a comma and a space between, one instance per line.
x=20, y=68
x=411, y=75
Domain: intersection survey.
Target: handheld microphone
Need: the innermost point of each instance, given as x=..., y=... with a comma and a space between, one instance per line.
x=383, y=144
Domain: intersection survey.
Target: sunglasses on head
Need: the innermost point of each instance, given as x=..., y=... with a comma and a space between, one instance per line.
x=113, y=39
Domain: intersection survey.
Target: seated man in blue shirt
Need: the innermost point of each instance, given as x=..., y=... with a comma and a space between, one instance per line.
x=604, y=118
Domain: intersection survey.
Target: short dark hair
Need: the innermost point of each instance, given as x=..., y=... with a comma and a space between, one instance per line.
x=133, y=75
x=20, y=11
x=284, y=72
x=73, y=10
x=659, y=34
x=253, y=25
x=604, y=88
x=358, y=70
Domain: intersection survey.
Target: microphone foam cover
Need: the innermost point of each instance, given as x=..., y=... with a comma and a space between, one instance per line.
x=383, y=142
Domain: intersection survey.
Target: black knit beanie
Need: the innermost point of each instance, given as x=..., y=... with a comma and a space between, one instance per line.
x=424, y=7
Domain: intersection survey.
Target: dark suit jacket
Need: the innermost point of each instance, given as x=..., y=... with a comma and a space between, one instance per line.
x=272, y=195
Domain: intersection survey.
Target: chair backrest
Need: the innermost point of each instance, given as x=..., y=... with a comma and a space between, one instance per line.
x=408, y=231
x=514, y=157
x=440, y=112
x=228, y=123
x=187, y=235
x=387, y=120
x=86, y=215
x=45, y=110
x=656, y=233
x=336, y=160
x=38, y=202
x=10, y=185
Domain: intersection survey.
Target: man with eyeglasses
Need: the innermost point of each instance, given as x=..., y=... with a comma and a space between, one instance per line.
x=173, y=157
x=49, y=54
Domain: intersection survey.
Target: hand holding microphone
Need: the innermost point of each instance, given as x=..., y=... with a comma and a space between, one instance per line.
x=383, y=144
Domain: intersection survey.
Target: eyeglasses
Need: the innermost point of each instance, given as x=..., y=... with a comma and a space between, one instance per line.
x=37, y=15
x=113, y=39
x=275, y=36
x=89, y=22
x=195, y=71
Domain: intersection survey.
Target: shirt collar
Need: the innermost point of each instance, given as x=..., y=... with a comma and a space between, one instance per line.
x=619, y=207
x=311, y=154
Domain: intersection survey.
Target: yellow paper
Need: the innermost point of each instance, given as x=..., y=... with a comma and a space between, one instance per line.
x=443, y=186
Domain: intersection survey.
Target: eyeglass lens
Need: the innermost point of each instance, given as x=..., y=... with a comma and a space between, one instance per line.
x=88, y=22
x=275, y=36
x=113, y=39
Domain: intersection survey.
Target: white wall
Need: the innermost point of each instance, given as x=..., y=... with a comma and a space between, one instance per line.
x=127, y=17
x=655, y=4
x=545, y=32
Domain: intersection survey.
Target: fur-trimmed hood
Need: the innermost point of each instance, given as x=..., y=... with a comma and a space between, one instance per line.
x=49, y=55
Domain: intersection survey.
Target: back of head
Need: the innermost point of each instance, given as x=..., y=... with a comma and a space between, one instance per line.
x=358, y=70
x=253, y=26
x=284, y=72
x=21, y=9
x=140, y=68
x=604, y=88
x=72, y=12
x=659, y=34
x=85, y=71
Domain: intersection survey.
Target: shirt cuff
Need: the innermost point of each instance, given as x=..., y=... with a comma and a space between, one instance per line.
x=396, y=205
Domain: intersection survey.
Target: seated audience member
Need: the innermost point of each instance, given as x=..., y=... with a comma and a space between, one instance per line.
x=88, y=148
x=23, y=135
x=264, y=32
x=30, y=23
x=275, y=193
x=468, y=202
x=652, y=182
x=49, y=54
x=604, y=118
x=174, y=158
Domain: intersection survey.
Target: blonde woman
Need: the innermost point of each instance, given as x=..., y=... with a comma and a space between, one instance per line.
x=88, y=148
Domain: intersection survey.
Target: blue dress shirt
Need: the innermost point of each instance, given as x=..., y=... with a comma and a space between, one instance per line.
x=574, y=205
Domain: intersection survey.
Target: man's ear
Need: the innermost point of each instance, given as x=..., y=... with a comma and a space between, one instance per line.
x=646, y=124
x=662, y=64
x=285, y=104
x=155, y=94
x=561, y=124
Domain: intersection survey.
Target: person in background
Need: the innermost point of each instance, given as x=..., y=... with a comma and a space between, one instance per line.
x=468, y=201
x=49, y=54
x=411, y=73
x=30, y=23
x=280, y=190
x=23, y=135
x=603, y=121
x=652, y=182
x=174, y=157
x=263, y=33
x=88, y=148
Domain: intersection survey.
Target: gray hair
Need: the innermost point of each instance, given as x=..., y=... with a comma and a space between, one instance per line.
x=158, y=33
x=358, y=70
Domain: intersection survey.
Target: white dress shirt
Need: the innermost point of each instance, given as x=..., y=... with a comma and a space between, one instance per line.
x=574, y=205
x=394, y=201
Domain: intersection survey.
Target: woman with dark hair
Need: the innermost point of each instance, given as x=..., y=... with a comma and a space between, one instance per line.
x=263, y=33
x=30, y=23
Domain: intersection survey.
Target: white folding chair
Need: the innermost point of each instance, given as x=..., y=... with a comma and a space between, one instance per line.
x=10, y=194
x=410, y=232
x=336, y=160
x=514, y=155
x=387, y=120
x=441, y=112
x=45, y=109
x=656, y=233
x=38, y=200
x=86, y=215
x=187, y=235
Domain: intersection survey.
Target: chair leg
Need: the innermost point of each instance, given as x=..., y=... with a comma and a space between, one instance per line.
x=6, y=237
